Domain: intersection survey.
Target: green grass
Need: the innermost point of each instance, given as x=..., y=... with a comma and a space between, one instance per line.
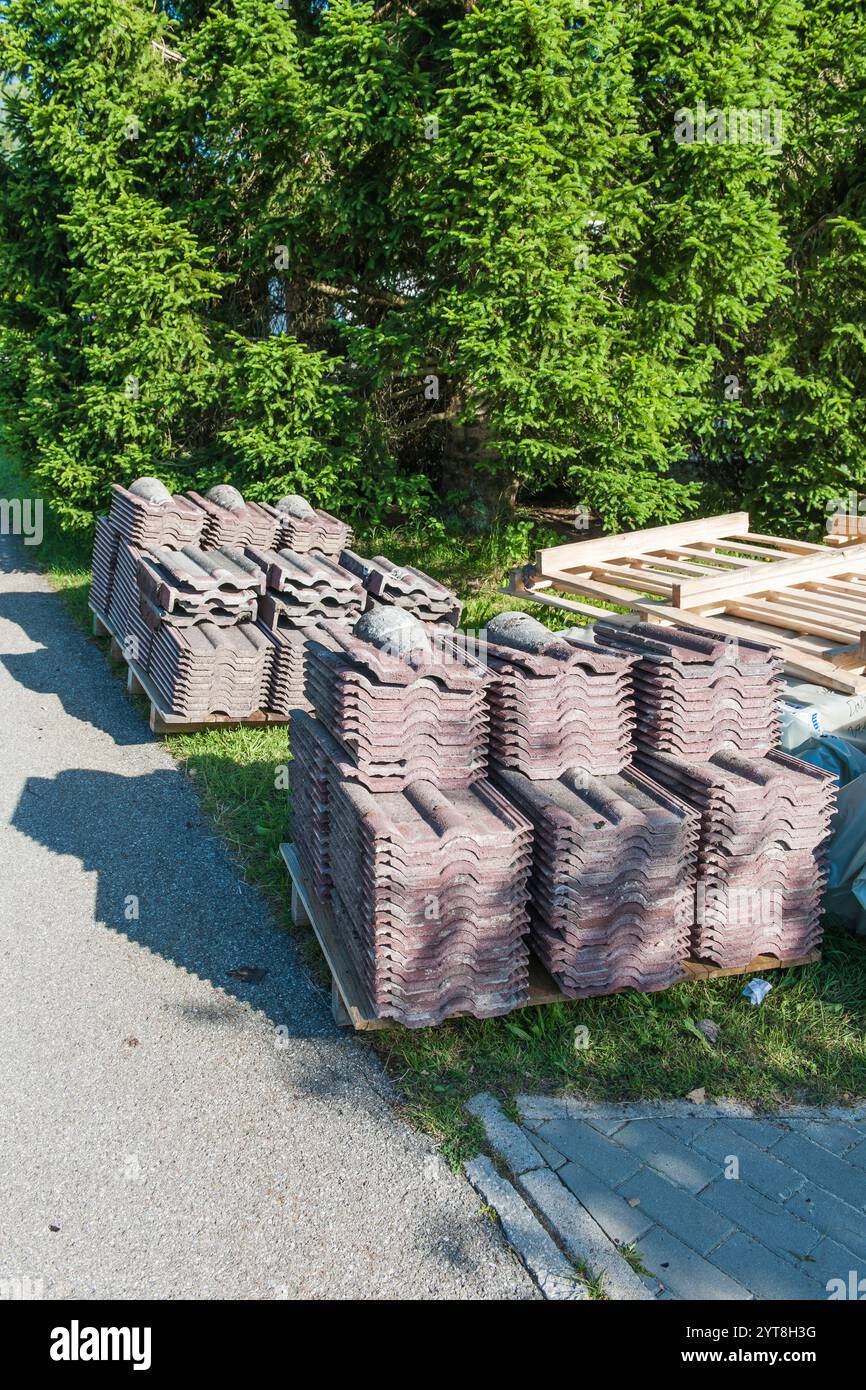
x=805, y=1043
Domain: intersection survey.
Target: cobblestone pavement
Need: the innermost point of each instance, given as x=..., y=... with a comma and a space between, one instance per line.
x=677, y=1200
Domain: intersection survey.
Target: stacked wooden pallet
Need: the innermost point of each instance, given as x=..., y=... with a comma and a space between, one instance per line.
x=807, y=600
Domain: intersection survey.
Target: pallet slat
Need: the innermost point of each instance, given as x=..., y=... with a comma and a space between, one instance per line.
x=639, y=542
x=766, y=574
x=806, y=592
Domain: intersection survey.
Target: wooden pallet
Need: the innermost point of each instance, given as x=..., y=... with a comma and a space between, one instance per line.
x=807, y=600
x=163, y=721
x=352, y=1006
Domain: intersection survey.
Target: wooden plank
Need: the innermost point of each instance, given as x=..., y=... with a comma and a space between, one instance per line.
x=673, y=561
x=764, y=576
x=839, y=539
x=339, y=1012
x=518, y=588
x=786, y=616
x=816, y=600
x=300, y=915
x=133, y=684
x=798, y=547
x=851, y=584
x=594, y=588
x=559, y=557
x=643, y=581
x=842, y=596
x=98, y=626
x=851, y=658
x=705, y=970
x=658, y=567
x=757, y=552
x=710, y=551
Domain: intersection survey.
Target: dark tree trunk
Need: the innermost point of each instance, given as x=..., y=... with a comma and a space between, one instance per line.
x=472, y=466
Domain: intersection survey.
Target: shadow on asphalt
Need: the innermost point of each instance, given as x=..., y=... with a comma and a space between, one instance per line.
x=48, y=671
x=165, y=882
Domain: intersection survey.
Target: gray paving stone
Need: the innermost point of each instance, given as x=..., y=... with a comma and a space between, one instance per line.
x=676, y=1161
x=765, y=1273
x=842, y=1179
x=830, y=1134
x=832, y=1216
x=857, y=1155
x=506, y=1138
x=685, y=1273
x=581, y=1236
x=684, y=1127
x=685, y=1216
x=537, y=1110
x=762, y=1133
x=552, y=1157
x=525, y=1234
x=764, y=1171
x=830, y=1260
x=620, y=1221
x=848, y=1114
x=583, y=1144
x=605, y=1124
x=762, y=1217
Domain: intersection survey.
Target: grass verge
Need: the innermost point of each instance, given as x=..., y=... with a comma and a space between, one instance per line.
x=806, y=1043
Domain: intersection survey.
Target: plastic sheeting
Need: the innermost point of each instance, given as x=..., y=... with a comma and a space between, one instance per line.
x=846, y=757
x=845, y=897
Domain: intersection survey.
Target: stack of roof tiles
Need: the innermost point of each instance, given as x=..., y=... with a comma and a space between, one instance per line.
x=208, y=653
x=186, y=617
x=143, y=515
x=163, y=565
x=302, y=528
x=613, y=877
x=289, y=668
x=106, y=544
x=147, y=514
x=317, y=759
x=557, y=700
x=229, y=520
x=405, y=709
x=203, y=668
x=707, y=725
x=305, y=589
x=192, y=585
x=425, y=863
x=697, y=694
x=763, y=854
x=124, y=607
x=404, y=587
x=428, y=885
